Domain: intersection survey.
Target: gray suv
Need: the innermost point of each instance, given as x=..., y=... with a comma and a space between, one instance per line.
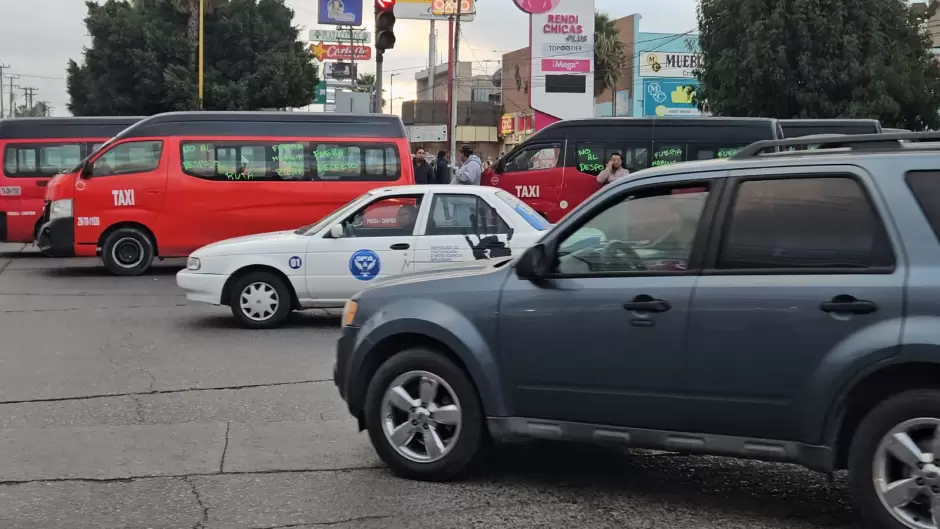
x=782, y=306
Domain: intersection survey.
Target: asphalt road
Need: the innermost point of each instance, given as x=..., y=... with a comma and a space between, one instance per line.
x=124, y=406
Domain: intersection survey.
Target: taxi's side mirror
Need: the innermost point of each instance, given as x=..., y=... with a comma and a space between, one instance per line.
x=337, y=232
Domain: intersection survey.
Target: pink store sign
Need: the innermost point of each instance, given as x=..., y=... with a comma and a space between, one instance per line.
x=566, y=65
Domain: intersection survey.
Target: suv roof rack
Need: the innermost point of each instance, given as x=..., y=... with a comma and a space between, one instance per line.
x=868, y=142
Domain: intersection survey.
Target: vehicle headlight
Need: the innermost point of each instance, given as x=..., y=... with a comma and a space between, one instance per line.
x=349, y=312
x=60, y=209
x=193, y=263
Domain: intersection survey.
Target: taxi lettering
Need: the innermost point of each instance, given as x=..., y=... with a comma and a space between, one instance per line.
x=123, y=197
x=527, y=191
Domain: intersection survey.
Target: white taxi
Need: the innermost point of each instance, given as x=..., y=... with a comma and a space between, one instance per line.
x=385, y=233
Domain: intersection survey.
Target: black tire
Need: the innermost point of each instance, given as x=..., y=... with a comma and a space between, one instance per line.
x=127, y=252
x=281, y=311
x=470, y=441
x=879, y=421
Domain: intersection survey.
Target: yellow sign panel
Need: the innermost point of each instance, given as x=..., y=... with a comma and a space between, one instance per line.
x=448, y=8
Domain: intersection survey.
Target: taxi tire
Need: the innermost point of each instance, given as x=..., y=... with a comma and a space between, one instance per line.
x=148, y=251
x=283, y=296
x=471, y=441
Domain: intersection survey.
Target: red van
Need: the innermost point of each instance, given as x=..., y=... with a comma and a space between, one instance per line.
x=178, y=181
x=556, y=169
x=33, y=150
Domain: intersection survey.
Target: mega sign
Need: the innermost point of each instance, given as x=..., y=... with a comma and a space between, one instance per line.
x=340, y=52
x=562, y=58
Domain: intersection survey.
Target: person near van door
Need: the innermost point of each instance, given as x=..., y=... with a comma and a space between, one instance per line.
x=442, y=171
x=471, y=169
x=423, y=171
x=613, y=171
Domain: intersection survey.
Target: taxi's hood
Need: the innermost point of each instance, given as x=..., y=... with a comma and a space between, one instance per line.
x=61, y=186
x=271, y=243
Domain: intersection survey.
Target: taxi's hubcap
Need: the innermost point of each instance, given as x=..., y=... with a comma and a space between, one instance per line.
x=906, y=473
x=259, y=301
x=421, y=416
x=127, y=252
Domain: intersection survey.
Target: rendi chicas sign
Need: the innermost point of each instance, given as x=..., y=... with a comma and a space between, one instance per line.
x=565, y=25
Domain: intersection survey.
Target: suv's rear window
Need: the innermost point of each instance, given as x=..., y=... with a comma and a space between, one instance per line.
x=926, y=188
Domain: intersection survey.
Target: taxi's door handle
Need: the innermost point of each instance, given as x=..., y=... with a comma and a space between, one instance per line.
x=400, y=246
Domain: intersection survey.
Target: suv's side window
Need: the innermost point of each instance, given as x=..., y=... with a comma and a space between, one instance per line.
x=926, y=188
x=535, y=158
x=653, y=230
x=822, y=222
x=129, y=158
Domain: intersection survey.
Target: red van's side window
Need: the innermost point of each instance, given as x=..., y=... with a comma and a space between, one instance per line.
x=291, y=161
x=536, y=158
x=129, y=158
x=41, y=160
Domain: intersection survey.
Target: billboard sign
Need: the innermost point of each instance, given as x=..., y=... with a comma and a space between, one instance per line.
x=336, y=35
x=340, y=13
x=669, y=65
x=507, y=125
x=340, y=52
x=669, y=98
x=341, y=70
x=562, y=82
x=425, y=9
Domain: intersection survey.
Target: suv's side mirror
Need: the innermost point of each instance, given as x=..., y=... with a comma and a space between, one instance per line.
x=86, y=170
x=534, y=263
x=337, y=232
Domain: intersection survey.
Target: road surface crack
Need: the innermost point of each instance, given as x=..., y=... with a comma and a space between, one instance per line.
x=186, y=477
x=327, y=524
x=168, y=391
x=228, y=427
x=204, y=519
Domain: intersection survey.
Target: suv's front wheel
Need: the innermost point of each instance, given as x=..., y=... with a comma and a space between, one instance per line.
x=894, y=462
x=423, y=416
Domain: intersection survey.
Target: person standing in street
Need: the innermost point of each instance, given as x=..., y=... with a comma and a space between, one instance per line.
x=471, y=169
x=424, y=173
x=442, y=171
x=613, y=171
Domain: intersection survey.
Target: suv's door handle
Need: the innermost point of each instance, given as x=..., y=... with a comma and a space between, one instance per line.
x=400, y=246
x=844, y=303
x=644, y=303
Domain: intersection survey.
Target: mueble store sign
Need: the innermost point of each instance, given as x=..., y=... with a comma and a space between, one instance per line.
x=672, y=65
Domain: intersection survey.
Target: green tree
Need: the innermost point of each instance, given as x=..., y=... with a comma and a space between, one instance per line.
x=140, y=61
x=817, y=59
x=610, y=55
x=40, y=109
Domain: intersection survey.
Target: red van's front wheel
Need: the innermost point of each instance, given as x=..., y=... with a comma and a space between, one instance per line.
x=127, y=252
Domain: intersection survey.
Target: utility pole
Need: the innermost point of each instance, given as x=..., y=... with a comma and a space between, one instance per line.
x=453, y=88
x=28, y=93
x=432, y=62
x=2, y=67
x=11, y=78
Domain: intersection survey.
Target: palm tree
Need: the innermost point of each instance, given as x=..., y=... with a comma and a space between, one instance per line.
x=610, y=57
x=365, y=83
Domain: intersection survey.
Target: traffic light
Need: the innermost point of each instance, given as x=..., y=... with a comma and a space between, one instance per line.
x=384, y=25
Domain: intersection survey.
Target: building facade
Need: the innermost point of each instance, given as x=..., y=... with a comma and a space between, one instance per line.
x=664, y=80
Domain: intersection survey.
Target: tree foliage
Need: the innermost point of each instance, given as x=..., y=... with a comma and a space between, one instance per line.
x=817, y=59
x=38, y=110
x=610, y=55
x=142, y=59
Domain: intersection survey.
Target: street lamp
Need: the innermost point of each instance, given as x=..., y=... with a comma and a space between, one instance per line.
x=391, y=93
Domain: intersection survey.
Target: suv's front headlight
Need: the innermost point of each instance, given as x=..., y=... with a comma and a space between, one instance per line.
x=193, y=263
x=60, y=209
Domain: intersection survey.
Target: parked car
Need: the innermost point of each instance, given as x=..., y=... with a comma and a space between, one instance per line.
x=384, y=233
x=798, y=323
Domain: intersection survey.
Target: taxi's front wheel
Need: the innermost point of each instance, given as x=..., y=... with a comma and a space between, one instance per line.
x=127, y=252
x=260, y=300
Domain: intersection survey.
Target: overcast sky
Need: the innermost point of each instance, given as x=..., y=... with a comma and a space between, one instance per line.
x=38, y=37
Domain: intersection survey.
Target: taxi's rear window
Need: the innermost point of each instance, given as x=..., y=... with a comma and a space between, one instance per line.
x=534, y=219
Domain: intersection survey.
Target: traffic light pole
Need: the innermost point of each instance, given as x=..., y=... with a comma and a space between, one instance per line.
x=377, y=96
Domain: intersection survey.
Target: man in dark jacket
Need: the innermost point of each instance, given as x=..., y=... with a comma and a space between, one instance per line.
x=424, y=174
x=442, y=172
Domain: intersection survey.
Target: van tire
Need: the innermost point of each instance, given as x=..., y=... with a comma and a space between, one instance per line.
x=127, y=252
x=262, y=282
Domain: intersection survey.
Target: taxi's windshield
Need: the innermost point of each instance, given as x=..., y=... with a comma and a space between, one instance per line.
x=331, y=218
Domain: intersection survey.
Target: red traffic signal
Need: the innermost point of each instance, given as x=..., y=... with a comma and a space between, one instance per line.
x=383, y=5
